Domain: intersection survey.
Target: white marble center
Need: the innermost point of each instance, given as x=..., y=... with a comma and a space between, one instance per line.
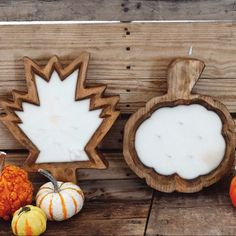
x=60, y=127
x=185, y=139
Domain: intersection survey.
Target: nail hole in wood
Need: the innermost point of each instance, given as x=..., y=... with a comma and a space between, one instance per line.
x=138, y=5
x=125, y=28
x=127, y=33
x=127, y=90
x=127, y=105
x=128, y=67
x=128, y=48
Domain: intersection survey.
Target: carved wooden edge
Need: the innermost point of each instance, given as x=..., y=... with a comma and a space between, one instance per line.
x=62, y=171
x=183, y=96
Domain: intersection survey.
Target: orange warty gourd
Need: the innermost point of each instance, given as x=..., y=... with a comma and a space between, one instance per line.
x=15, y=188
x=232, y=191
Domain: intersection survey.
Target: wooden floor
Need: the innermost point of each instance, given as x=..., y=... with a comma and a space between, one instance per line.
x=118, y=203
x=131, y=58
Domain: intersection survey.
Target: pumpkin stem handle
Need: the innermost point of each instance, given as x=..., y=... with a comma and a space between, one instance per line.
x=2, y=160
x=182, y=76
x=51, y=178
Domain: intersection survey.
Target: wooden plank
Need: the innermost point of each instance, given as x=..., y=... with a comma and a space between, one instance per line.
x=137, y=74
x=135, y=78
x=134, y=95
x=117, y=169
x=158, y=43
x=117, y=10
x=104, y=218
x=208, y=212
x=117, y=207
x=117, y=202
x=114, y=204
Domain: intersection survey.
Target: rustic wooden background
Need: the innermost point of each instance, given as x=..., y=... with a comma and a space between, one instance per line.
x=132, y=59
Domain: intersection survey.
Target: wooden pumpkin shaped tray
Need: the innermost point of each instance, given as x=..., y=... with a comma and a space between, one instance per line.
x=180, y=141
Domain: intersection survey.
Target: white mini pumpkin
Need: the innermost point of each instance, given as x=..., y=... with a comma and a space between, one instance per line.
x=59, y=200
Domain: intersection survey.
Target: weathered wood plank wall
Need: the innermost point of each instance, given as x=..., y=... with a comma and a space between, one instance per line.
x=121, y=10
x=132, y=59
x=133, y=65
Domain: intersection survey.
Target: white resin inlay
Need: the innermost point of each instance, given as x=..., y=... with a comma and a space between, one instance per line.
x=185, y=139
x=60, y=127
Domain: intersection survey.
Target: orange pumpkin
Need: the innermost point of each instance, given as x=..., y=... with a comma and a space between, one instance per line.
x=15, y=188
x=232, y=191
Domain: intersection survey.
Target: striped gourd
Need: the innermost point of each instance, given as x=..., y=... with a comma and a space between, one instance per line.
x=29, y=220
x=59, y=200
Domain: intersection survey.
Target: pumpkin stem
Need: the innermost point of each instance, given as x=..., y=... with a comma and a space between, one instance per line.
x=51, y=178
x=24, y=209
x=2, y=160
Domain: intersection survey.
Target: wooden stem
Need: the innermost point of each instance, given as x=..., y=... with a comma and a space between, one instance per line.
x=51, y=178
x=182, y=76
x=2, y=161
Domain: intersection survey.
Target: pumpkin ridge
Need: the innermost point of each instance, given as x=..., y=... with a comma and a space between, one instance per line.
x=28, y=228
x=43, y=199
x=40, y=214
x=43, y=214
x=74, y=189
x=74, y=201
x=64, y=211
x=15, y=227
x=50, y=209
x=43, y=192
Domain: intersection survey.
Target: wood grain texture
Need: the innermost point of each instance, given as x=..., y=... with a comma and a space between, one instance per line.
x=182, y=76
x=137, y=79
x=209, y=212
x=118, y=169
x=120, y=10
x=117, y=202
x=122, y=205
x=137, y=74
x=113, y=207
x=106, y=218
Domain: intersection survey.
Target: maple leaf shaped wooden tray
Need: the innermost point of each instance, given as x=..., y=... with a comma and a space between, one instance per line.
x=60, y=120
x=180, y=141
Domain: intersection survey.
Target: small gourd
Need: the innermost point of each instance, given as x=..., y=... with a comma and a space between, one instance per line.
x=29, y=220
x=59, y=200
x=15, y=188
x=232, y=191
